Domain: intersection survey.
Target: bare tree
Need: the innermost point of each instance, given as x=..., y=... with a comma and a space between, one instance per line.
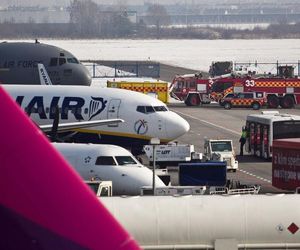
x=84, y=13
x=158, y=16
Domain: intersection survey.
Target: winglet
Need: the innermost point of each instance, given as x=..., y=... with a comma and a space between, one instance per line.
x=43, y=202
x=44, y=77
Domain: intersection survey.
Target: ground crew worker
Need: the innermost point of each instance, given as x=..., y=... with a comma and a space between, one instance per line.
x=243, y=140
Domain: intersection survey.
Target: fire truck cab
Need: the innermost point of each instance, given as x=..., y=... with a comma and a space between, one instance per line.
x=193, y=89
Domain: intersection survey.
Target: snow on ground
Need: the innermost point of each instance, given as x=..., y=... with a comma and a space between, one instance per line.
x=193, y=54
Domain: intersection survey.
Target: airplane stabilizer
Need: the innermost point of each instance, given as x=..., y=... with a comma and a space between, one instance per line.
x=43, y=202
x=44, y=77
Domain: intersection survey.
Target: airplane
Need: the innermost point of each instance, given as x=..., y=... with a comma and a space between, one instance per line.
x=19, y=60
x=145, y=117
x=219, y=222
x=44, y=203
x=109, y=162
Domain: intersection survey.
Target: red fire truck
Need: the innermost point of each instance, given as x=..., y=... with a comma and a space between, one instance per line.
x=279, y=90
x=282, y=89
x=193, y=89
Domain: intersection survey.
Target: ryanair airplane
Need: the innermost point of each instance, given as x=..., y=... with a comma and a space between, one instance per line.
x=145, y=117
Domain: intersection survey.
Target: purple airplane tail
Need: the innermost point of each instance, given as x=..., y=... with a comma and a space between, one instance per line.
x=43, y=202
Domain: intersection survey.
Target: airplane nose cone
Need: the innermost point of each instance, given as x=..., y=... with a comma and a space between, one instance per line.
x=176, y=126
x=82, y=77
x=144, y=179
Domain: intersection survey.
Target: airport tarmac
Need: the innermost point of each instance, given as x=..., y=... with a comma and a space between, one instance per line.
x=213, y=121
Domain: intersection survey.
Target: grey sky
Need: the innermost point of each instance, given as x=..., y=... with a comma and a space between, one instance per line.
x=5, y=3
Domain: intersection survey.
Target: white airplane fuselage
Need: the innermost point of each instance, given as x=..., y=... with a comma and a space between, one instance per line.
x=210, y=221
x=108, y=163
x=145, y=117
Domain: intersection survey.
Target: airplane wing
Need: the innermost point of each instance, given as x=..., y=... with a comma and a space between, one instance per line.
x=63, y=127
x=44, y=203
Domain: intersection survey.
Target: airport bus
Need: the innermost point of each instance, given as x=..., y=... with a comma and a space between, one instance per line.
x=263, y=128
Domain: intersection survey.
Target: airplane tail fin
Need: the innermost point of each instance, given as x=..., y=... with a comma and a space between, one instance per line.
x=43, y=202
x=44, y=77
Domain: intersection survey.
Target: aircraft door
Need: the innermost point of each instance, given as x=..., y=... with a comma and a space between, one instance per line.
x=113, y=111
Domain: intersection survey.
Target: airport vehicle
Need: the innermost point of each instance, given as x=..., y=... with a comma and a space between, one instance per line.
x=220, y=150
x=282, y=89
x=108, y=163
x=219, y=222
x=174, y=190
x=286, y=164
x=279, y=89
x=172, y=154
x=18, y=64
x=157, y=89
x=248, y=189
x=44, y=202
x=193, y=89
x=220, y=68
x=101, y=188
x=213, y=173
x=263, y=128
x=144, y=116
x=253, y=100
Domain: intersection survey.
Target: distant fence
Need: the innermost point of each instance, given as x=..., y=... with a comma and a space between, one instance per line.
x=101, y=69
x=265, y=68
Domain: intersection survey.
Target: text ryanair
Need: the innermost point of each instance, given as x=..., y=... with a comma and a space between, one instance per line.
x=67, y=105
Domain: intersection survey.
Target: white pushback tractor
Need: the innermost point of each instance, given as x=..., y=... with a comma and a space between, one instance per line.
x=220, y=150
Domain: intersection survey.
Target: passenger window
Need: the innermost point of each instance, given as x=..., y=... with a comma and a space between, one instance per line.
x=149, y=109
x=53, y=62
x=105, y=160
x=62, y=61
x=141, y=109
x=125, y=160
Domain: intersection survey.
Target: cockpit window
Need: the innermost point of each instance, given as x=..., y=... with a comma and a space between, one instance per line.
x=105, y=160
x=160, y=108
x=141, y=109
x=125, y=160
x=62, y=61
x=149, y=109
x=72, y=60
x=53, y=61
